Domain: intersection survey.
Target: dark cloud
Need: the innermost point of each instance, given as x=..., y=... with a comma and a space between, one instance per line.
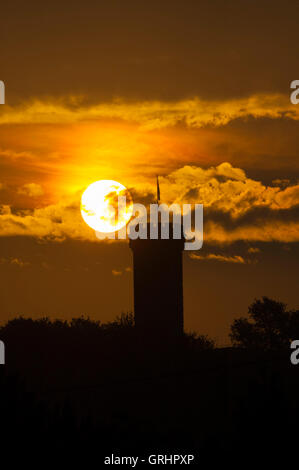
x=255, y=216
x=166, y=50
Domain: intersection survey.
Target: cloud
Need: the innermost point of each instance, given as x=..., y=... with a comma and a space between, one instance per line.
x=31, y=190
x=115, y=272
x=225, y=188
x=19, y=262
x=226, y=259
x=253, y=249
x=192, y=113
x=265, y=231
x=235, y=208
x=281, y=182
x=119, y=272
x=14, y=261
x=55, y=222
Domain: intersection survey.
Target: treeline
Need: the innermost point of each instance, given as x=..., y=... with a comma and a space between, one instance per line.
x=86, y=389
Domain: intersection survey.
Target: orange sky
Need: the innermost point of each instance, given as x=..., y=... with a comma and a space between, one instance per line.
x=125, y=94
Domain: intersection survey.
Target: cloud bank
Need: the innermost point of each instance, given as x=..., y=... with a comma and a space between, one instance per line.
x=194, y=112
x=235, y=208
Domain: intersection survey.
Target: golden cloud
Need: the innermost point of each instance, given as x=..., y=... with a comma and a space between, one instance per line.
x=31, y=190
x=226, y=189
x=14, y=261
x=226, y=259
x=115, y=272
x=253, y=249
x=55, y=222
x=223, y=189
x=194, y=112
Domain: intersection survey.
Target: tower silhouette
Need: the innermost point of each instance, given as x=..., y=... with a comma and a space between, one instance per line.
x=158, y=283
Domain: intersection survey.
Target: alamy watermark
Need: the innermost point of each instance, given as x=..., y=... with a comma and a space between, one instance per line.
x=2, y=92
x=294, y=358
x=2, y=353
x=143, y=226
x=294, y=96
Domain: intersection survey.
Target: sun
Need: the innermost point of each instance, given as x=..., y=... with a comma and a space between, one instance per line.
x=106, y=206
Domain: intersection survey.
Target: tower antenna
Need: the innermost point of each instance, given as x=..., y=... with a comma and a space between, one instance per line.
x=158, y=190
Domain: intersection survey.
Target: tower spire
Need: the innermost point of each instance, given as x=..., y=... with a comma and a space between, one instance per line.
x=158, y=190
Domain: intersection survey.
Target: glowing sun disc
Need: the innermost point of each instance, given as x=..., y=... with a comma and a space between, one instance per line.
x=99, y=206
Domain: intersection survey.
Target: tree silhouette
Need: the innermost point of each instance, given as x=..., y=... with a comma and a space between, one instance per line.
x=80, y=389
x=270, y=326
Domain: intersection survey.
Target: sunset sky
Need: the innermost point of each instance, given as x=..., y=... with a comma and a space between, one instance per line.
x=197, y=92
